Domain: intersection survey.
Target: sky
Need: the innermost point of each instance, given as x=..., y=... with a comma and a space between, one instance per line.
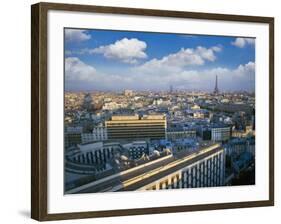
x=105, y=60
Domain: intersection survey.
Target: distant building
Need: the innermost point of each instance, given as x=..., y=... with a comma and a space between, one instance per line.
x=136, y=128
x=97, y=153
x=199, y=113
x=179, y=133
x=72, y=136
x=219, y=133
x=186, y=144
x=243, y=133
x=113, y=106
x=195, y=107
x=87, y=137
x=240, y=145
x=128, y=92
x=98, y=134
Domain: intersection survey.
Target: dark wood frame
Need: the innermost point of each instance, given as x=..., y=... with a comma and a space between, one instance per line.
x=39, y=110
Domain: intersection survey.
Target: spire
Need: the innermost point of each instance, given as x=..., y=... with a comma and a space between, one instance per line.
x=216, y=90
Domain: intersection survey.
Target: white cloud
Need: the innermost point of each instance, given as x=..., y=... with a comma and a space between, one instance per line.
x=81, y=76
x=240, y=78
x=125, y=50
x=247, y=68
x=76, y=70
x=242, y=42
x=181, y=59
x=75, y=35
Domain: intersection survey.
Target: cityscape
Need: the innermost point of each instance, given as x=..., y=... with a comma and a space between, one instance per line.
x=183, y=117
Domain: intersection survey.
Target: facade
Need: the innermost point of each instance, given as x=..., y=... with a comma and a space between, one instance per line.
x=243, y=133
x=220, y=133
x=72, y=136
x=87, y=137
x=113, y=106
x=97, y=153
x=176, y=133
x=136, y=128
x=240, y=146
x=137, y=149
x=98, y=134
x=206, y=172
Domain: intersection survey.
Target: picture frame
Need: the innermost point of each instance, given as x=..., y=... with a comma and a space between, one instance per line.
x=40, y=102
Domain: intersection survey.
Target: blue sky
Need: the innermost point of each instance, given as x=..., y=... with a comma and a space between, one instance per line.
x=116, y=60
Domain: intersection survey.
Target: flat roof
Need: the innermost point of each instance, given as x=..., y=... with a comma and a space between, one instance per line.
x=167, y=172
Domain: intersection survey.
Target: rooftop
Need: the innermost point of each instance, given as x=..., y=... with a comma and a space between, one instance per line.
x=139, y=176
x=137, y=117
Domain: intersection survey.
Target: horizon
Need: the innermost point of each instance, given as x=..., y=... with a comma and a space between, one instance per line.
x=158, y=91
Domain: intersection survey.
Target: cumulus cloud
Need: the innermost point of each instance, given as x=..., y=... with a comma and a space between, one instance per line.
x=181, y=59
x=240, y=78
x=81, y=76
x=76, y=70
x=75, y=35
x=125, y=50
x=242, y=42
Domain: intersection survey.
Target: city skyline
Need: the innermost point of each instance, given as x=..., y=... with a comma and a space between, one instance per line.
x=99, y=60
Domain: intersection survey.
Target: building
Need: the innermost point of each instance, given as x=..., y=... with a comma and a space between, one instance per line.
x=72, y=136
x=136, y=128
x=180, y=133
x=238, y=146
x=184, y=144
x=95, y=153
x=195, y=107
x=243, y=133
x=201, y=168
x=128, y=92
x=98, y=134
x=137, y=149
x=215, y=132
x=113, y=106
x=220, y=133
x=199, y=113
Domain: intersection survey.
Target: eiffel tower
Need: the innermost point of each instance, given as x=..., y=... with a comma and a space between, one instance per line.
x=216, y=90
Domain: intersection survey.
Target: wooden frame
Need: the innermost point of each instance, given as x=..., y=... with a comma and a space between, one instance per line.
x=39, y=110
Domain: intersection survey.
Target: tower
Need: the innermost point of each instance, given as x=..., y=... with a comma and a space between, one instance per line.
x=216, y=90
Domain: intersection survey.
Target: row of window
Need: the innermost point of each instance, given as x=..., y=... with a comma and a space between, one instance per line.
x=207, y=173
x=96, y=157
